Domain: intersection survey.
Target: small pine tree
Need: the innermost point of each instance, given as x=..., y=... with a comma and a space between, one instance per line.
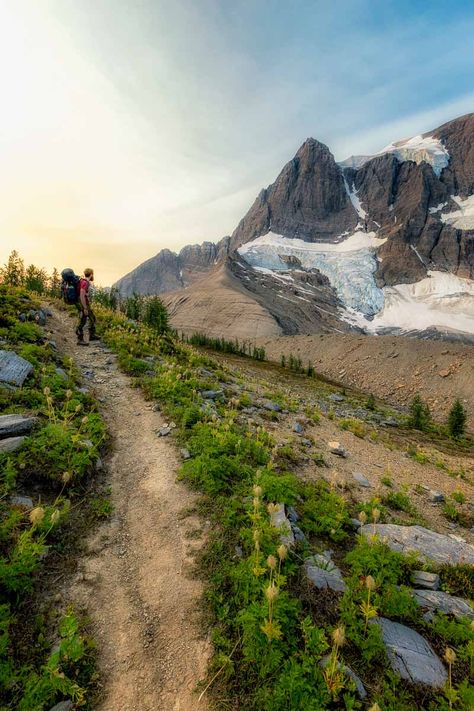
x=457, y=420
x=283, y=360
x=155, y=315
x=420, y=415
x=370, y=402
x=13, y=272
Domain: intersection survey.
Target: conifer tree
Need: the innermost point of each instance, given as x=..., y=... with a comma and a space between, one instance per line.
x=457, y=420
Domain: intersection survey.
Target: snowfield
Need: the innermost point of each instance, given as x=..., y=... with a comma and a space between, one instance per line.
x=349, y=265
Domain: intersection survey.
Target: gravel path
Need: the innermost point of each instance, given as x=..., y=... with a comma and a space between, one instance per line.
x=136, y=580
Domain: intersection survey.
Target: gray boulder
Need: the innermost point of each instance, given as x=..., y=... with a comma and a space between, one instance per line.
x=279, y=520
x=271, y=406
x=11, y=444
x=439, y=601
x=410, y=655
x=362, y=480
x=323, y=573
x=212, y=394
x=432, y=546
x=15, y=425
x=422, y=579
x=13, y=369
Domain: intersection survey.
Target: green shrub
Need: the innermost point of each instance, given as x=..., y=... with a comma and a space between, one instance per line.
x=419, y=414
x=457, y=420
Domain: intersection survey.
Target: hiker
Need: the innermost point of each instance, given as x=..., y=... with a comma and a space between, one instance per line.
x=84, y=308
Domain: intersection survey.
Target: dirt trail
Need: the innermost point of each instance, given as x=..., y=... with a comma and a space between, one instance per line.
x=136, y=580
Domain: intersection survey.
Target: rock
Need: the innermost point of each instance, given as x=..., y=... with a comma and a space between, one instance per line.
x=99, y=465
x=62, y=706
x=306, y=442
x=410, y=655
x=444, y=373
x=279, y=520
x=185, y=454
x=24, y=501
x=15, y=425
x=298, y=428
x=11, y=444
x=86, y=443
x=336, y=398
x=13, y=369
x=437, y=600
x=298, y=533
x=271, y=406
x=355, y=523
x=164, y=431
x=430, y=545
x=62, y=373
x=337, y=448
x=205, y=373
x=389, y=422
x=292, y=514
x=348, y=672
x=212, y=394
x=324, y=578
x=436, y=496
x=422, y=579
x=361, y=479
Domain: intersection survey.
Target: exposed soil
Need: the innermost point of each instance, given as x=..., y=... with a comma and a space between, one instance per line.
x=136, y=580
x=394, y=368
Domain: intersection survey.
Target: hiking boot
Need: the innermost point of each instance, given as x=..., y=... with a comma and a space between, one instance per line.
x=93, y=337
x=82, y=343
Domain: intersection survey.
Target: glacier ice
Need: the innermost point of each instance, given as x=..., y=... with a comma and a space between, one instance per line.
x=349, y=265
x=462, y=219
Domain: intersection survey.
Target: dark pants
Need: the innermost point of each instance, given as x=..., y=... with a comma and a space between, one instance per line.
x=82, y=321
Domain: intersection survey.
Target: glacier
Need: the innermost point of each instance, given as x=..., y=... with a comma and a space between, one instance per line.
x=462, y=219
x=350, y=264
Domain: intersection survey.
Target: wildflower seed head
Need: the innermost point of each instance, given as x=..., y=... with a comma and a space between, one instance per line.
x=37, y=515
x=68, y=394
x=273, y=508
x=282, y=552
x=78, y=408
x=46, y=390
x=271, y=592
x=256, y=502
x=66, y=477
x=362, y=517
x=85, y=420
x=271, y=562
x=450, y=655
x=370, y=583
x=375, y=515
x=375, y=707
x=257, y=535
x=339, y=636
x=257, y=490
x=55, y=516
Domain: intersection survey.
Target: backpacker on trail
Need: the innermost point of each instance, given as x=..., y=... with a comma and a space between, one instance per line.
x=70, y=286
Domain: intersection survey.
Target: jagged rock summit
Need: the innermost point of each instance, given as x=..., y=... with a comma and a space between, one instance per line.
x=374, y=244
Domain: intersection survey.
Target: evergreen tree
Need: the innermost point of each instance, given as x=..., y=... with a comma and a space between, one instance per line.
x=457, y=420
x=55, y=284
x=13, y=272
x=155, y=315
x=420, y=415
x=35, y=279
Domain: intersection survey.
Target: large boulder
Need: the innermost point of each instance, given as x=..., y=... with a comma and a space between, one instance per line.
x=429, y=545
x=439, y=601
x=410, y=655
x=15, y=425
x=13, y=369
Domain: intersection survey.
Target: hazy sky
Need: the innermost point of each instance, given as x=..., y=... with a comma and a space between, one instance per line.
x=127, y=126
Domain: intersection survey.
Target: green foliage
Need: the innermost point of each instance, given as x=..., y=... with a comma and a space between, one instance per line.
x=155, y=315
x=457, y=420
x=419, y=414
x=458, y=580
x=399, y=500
x=370, y=404
x=324, y=511
x=357, y=427
x=225, y=346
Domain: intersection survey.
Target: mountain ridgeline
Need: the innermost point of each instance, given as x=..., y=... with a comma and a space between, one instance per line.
x=373, y=244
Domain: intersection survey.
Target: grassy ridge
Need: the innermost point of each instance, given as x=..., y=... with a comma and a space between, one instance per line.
x=270, y=633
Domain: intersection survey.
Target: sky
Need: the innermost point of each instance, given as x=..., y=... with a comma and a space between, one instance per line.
x=128, y=126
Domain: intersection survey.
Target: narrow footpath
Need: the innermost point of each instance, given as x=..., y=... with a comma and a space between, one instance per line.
x=135, y=578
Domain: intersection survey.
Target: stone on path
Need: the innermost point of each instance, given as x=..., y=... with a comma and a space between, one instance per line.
x=62, y=706
x=436, y=497
x=410, y=655
x=298, y=428
x=443, y=602
x=279, y=520
x=362, y=480
x=430, y=545
x=13, y=369
x=185, y=454
x=15, y=425
x=11, y=444
x=323, y=574
x=164, y=431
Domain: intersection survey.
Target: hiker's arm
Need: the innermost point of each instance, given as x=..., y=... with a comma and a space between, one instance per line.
x=83, y=299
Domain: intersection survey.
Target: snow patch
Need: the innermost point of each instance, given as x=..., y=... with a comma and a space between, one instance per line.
x=438, y=208
x=462, y=219
x=354, y=199
x=441, y=299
